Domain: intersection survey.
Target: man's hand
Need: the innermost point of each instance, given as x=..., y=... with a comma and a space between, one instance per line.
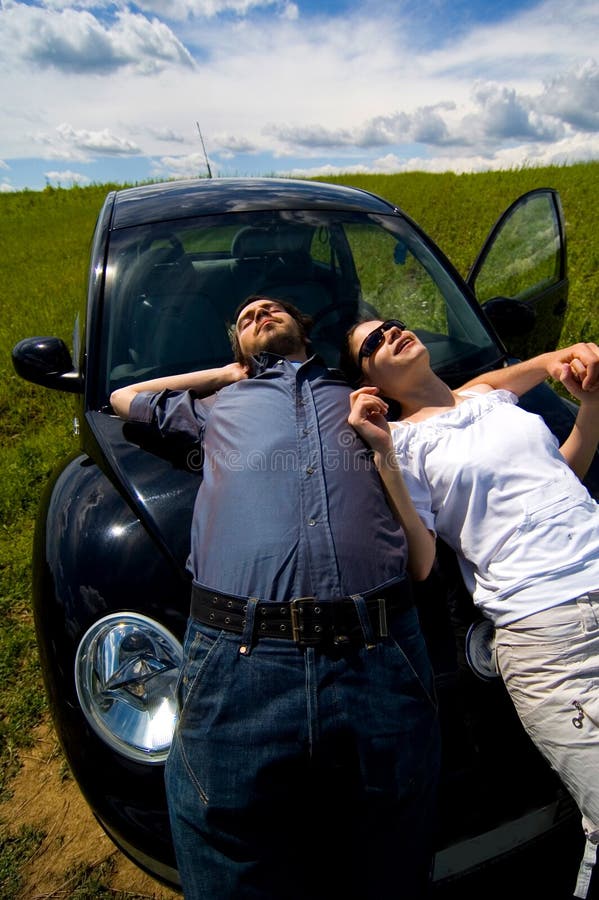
x=234, y=372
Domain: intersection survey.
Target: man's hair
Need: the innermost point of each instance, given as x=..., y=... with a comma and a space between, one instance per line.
x=304, y=321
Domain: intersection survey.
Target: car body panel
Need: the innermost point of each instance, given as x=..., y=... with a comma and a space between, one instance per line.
x=179, y=200
x=80, y=574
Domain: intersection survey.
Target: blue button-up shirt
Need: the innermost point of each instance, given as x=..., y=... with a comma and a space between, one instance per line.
x=290, y=502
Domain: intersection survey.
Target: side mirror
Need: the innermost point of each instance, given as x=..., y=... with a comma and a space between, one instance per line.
x=510, y=318
x=47, y=361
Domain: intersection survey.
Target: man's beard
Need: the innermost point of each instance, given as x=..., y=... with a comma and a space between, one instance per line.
x=281, y=344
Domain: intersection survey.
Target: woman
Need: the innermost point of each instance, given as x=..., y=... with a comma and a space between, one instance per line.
x=489, y=478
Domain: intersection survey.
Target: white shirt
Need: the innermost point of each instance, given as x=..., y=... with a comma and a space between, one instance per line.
x=489, y=479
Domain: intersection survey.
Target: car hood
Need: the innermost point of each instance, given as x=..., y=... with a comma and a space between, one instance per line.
x=159, y=478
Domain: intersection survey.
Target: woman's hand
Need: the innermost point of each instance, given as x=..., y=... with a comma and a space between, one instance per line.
x=582, y=359
x=573, y=379
x=367, y=416
x=579, y=447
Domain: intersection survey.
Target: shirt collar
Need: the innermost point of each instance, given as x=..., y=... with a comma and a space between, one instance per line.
x=266, y=360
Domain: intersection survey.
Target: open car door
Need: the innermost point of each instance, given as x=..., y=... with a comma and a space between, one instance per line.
x=520, y=276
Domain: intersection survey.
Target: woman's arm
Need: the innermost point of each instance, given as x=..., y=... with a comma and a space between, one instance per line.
x=579, y=447
x=367, y=416
x=204, y=382
x=582, y=360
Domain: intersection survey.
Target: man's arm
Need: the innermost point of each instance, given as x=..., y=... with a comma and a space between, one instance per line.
x=204, y=382
x=582, y=360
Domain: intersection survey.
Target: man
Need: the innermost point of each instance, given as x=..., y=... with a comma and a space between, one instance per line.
x=306, y=756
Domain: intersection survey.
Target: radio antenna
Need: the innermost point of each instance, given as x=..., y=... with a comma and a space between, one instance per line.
x=204, y=149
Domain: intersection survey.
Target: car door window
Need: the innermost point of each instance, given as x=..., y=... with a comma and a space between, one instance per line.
x=525, y=254
x=520, y=276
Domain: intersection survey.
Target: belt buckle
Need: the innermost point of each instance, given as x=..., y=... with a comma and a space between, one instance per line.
x=295, y=611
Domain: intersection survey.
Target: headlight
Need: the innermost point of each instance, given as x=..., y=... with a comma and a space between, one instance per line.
x=126, y=671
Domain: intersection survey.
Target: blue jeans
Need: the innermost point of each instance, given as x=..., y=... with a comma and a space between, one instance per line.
x=298, y=774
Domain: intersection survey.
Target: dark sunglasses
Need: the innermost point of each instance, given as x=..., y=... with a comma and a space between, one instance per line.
x=376, y=337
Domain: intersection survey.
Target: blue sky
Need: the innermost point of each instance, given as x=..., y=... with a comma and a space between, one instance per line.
x=96, y=91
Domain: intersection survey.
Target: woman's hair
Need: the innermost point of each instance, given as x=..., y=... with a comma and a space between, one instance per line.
x=303, y=320
x=347, y=363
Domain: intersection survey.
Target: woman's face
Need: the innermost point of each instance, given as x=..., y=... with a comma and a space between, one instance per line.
x=383, y=349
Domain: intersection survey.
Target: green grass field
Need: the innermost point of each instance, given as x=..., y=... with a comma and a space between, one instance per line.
x=45, y=238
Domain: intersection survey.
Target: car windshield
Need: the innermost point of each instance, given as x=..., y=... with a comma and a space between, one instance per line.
x=172, y=289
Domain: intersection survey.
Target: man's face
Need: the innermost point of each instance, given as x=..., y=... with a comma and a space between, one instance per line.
x=265, y=325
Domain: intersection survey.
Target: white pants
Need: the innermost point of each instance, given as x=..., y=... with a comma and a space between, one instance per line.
x=550, y=665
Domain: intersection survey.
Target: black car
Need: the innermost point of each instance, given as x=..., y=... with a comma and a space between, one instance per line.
x=169, y=265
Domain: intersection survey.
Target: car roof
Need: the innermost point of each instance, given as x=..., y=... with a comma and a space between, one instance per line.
x=204, y=197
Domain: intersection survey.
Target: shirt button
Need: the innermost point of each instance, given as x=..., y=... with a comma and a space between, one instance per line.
x=310, y=470
x=311, y=521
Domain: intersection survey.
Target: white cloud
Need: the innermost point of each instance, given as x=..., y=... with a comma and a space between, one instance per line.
x=423, y=125
x=231, y=144
x=187, y=9
x=67, y=177
x=494, y=114
x=191, y=166
x=574, y=96
x=167, y=135
x=96, y=141
x=564, y=152
x=522, y=49
x=502, y=114
x=178, y=10
x=75, y=41
x=328, y=169
x=67, y=142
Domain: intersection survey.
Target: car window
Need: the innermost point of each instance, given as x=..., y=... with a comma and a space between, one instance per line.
x=525, y=256
x=172, y=289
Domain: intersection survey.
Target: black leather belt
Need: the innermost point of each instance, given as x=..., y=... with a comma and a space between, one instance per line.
x=305, y=620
